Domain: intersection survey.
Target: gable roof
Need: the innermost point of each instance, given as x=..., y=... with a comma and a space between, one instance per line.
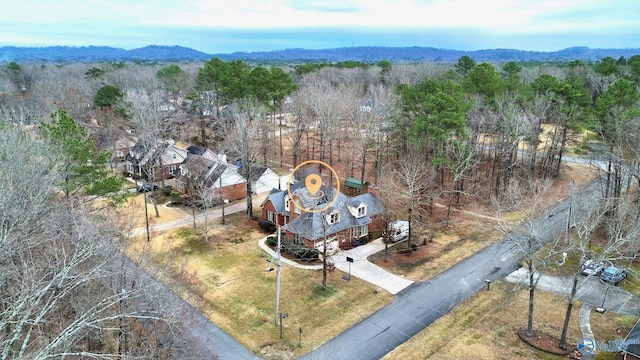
x=206, y=172
x=277, y=200
x=314, y=225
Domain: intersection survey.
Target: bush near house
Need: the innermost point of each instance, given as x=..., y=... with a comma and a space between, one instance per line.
x=267, y=226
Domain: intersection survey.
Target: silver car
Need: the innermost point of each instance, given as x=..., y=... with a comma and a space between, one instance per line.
x=592, y=267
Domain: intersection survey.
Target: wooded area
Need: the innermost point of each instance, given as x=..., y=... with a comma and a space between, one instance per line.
x=492, y=134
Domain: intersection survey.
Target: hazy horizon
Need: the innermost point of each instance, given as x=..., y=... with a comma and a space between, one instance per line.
x=228, y=26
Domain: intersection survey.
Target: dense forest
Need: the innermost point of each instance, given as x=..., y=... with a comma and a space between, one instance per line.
x=421, y=132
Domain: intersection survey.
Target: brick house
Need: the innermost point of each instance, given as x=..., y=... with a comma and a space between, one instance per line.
x=344, y=223
x=202, y=177
x=154, y=160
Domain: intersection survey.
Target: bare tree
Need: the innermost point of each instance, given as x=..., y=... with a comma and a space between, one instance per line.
x=528, y=233
x=63, y=293
x=244, y=140
x=411, y=180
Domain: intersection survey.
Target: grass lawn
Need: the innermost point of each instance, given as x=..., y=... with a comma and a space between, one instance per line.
x=228, y=281
x=484, y=327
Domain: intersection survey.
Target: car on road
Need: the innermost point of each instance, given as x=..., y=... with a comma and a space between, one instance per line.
x=592, y=267
x=146, y=188
x=613, y=274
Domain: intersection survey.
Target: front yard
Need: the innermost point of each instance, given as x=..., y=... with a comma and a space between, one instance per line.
x=228, y=281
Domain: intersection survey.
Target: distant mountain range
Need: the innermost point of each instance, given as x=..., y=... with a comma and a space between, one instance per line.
x=363, y=54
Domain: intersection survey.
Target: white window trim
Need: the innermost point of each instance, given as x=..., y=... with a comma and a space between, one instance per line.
x=362, y=230
x=333, y=218
x=362, y=208
x=270, y=216
x=287, y=203
x=172, y=169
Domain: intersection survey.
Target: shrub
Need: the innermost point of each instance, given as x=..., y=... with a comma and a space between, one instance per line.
x=167, y=190
x=414, y=247
x=272, y=240
x=267, y=226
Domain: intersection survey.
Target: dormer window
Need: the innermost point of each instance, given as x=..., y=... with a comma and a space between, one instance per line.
x=362, y=210
x=287, y=203
x=333, y=218
x=296, y=206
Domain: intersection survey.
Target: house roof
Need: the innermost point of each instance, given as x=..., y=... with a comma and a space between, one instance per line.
x=196, y=150
x=277, y=199
x=257, y=171
x=314, y=225
x=206, y=172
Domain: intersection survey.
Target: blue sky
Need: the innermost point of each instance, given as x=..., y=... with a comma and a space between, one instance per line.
x=224, y=26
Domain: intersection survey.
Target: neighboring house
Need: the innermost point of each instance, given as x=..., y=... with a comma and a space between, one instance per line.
x=206, y=153
x=343, y=224
x=263, y=179
x=121, y=148
x=154, y=160
x=201, y=177
x=632, y=342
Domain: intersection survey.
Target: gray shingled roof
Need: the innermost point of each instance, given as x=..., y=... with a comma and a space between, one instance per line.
x=313, y=226
x=277, y=199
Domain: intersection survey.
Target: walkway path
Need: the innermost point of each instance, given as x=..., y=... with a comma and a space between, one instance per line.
x=360, y=268
x=585, y=328
x=371, y=273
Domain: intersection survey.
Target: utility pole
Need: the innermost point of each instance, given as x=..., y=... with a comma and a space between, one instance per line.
x=409, y=235
x=566, y=235
x=278, y=266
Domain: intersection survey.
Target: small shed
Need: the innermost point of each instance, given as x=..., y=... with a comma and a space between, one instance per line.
x=353, y=187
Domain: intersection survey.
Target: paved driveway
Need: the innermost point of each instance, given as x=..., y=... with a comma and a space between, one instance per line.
x=363, y=269
x=590, y=291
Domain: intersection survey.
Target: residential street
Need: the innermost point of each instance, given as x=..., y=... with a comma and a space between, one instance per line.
x=419, y=305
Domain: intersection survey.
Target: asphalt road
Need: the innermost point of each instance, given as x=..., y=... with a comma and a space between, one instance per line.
x=419, y=305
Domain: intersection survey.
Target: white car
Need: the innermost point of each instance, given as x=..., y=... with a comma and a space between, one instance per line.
x=591, y=267
x=399, y=230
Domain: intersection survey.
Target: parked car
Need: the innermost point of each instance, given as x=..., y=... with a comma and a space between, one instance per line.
x=592, y=267
x=399, y=230
x=147, y=188
x=613, y=274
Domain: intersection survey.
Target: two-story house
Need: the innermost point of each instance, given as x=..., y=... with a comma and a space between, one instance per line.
x=154, y=160
x=343, y=223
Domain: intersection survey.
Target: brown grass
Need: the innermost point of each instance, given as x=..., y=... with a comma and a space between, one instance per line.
x=485, y=327
x=227, y=280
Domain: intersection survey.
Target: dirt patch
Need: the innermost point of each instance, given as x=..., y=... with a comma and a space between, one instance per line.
x=545, y=342
x=277, y=352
